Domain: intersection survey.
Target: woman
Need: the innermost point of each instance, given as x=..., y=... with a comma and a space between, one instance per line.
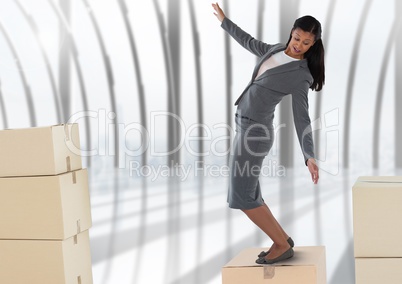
x=281, y=70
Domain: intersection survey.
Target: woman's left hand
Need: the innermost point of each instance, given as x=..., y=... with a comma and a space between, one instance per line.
x=313, y=168
x=218, y=12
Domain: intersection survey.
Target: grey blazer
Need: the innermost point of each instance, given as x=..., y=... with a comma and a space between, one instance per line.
x=260, y=97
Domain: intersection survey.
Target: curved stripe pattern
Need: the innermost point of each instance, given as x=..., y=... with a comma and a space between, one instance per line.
x=197, y=58
x=168, y=70
x=173, y=37
x=286, y=135
x=380, y=91
x=136, y=63
x=200, y=121
x=398, y=91
x=110, y=80
x=174, y=187
x=142, y=231
x=143, y=120
x=228, y=74
x=260, y=23
x=35, y=31
x=327, y=34
x=172, y=141
x=260, y=19
x=351, y=82
x=74, y=54
x=317, y=141
x=229, y=119
x=27, y=89
x=3, y=109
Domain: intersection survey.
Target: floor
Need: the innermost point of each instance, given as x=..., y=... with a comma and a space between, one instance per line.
x=173, y=231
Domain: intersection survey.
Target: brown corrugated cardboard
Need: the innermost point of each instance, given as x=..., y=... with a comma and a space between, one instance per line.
x=39, y=150
x=308, y=266
x=46, y=262
x=44, y=207
x=377, y=216
x=378, y=270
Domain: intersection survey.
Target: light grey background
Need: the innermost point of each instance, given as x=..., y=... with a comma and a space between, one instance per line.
x=170, y=228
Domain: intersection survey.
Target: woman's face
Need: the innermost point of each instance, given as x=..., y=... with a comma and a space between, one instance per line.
x=299, y=43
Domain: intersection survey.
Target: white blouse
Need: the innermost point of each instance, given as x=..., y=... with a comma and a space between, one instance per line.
x=275, y=60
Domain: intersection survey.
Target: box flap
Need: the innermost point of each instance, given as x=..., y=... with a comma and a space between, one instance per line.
x=33, y=127
x=380, y=179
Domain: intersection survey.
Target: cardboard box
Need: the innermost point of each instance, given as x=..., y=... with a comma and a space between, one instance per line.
x=378, y=270
x=44, y=207
x=46, y=262
x=377, y=216
x=40, y=150
x=306, y=267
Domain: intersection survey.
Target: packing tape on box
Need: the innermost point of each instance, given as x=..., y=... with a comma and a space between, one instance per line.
x=269, y=272
x=74, y=177
x=78, y=226
x=380, y=181
x=68, y=162
x=67, y=132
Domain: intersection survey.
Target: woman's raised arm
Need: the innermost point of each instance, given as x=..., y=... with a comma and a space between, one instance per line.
x=253, y=45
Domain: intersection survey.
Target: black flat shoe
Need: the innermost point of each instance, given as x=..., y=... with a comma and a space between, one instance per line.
x=286, y=255
x=265, y=253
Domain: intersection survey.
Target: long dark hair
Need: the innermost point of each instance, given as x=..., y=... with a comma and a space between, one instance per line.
x=315, y=54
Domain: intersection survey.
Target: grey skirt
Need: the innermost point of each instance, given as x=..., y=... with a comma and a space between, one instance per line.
x=251, y=145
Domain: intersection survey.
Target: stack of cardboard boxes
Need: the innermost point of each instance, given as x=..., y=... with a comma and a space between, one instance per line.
x=377, y=224
x=308, y=266
x=44, y=207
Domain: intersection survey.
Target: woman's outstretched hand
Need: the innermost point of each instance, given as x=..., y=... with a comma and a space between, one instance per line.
x=218, y=12
x=313, y=168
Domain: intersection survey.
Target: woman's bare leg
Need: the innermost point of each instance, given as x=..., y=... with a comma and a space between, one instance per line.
x=263, y=218
x=283, y=231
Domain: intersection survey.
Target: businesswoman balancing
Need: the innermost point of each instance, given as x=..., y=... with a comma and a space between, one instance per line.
x=281, y=70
